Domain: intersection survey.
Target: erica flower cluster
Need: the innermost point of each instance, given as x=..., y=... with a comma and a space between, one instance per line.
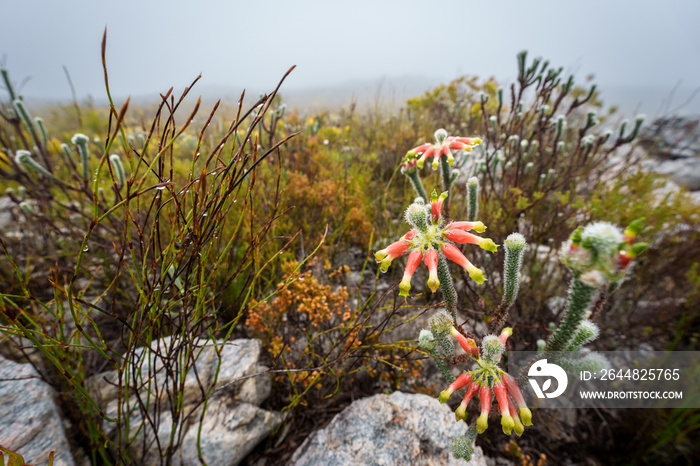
x=444, y=144
x=486, y=379
x=600, y=253
x=429, y=238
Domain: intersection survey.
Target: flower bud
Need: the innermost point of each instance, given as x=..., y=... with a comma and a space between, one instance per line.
x=436, y=206
x=492, y=348
x=440, y=135
x=426, y=340
x=417, y=217
x=467, y=344
x=440, y=323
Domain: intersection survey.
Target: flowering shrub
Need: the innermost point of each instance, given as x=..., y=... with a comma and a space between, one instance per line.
x=599, y=255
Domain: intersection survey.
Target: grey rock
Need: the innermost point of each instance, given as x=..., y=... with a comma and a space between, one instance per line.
x=229, y=433
x=30, y=422
x=396, y=429
x=685, y=172
x=233, y=423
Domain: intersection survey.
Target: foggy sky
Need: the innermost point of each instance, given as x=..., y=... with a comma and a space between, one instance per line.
x=153, y=45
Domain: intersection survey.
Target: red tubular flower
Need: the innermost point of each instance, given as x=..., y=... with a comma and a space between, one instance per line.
x=505, y=333
x=442, y=145
x=431, y=261
x=459, y=382
x=428, y=153
x=485, y=396
x=517, y=395
x=443, y=150
x=419, y=149
x=478, y=227
x=461, y=411
x=468, y=344
x=409, y=235
x=502, y=397
x=436, y=206
x=415, y=257
x=469, y=141
x=460, y=236
x=455, y=255
x=391, y=252
x=624, y=259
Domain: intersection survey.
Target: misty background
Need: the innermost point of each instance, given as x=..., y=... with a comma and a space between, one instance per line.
x=645, y=57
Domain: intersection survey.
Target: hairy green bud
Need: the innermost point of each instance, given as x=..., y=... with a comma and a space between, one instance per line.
x=586, y=332
x=417, y=217
x=492, y=348
x=441, y=323
x=426, y=340
x=440, y=135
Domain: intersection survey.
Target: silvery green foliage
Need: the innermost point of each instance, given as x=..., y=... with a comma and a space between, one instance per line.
x=472, y=198
x=515, y=246
x=591, y=362
x=463, y=446
x=81, y=141
x=581, y=297
x=586, y=332
x=118, y=168
x=42, y=129
x=24, y=159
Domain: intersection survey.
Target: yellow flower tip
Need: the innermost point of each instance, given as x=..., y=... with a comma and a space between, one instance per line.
x=433, y=284
x=420, y=163
x=476, y=274
x=476, y=141
x=482, y=423
x=405, y=287
x=519, y=428
x=467, y=148
x=507, y=331
x=450, y=160
x=380, y=255
x=526, y=414
x=444, y=395
x=385, y=263
x=479, y=227
x=411, y=153
x=507, y=423
x=436, y=164
x=461, y=412
x=488, y=244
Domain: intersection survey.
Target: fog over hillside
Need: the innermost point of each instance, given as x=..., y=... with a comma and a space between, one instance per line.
x=392, y=93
